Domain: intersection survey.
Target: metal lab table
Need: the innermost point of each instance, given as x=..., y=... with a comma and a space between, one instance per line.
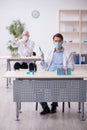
x=48, y=87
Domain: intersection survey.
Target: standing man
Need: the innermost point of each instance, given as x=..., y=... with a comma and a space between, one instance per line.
x=58, y=56
x=25, y=48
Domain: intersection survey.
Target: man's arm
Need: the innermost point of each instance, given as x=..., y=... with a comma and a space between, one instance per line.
x=70, y=61
x=16, y=42
x=43, y=63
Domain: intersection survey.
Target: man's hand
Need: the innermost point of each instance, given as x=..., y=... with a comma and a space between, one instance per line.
x=42, y=56
x=16, y=39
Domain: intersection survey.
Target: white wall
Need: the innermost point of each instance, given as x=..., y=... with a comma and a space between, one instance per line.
x=41, y=29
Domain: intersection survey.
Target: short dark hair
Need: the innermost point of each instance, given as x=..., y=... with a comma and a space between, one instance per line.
x=58, y=35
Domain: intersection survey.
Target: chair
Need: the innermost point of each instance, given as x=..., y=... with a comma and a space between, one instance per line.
x=63, y=106
x=33, y=66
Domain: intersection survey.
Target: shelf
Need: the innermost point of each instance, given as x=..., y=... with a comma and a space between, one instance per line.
x=73, y=26
x=84, y=32
x=68, y=21
x=69, y=11
x=84, y=11
x=71, y=43
x=84, y=43
x=80, y=66
x=69, y=32
x=84, y=21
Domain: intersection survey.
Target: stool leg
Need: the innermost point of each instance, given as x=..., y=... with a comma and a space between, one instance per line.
x=69, y=104
x=63, y=105
x=36, y=106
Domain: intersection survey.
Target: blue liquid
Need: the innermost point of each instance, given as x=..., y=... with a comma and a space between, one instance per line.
x=56, y=72
x=61, y=71
x=69, y=71
x=33, y=72
x=28, y=72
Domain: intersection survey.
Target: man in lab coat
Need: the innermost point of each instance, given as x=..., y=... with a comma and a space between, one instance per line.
x=25, y=48
x=57, y=57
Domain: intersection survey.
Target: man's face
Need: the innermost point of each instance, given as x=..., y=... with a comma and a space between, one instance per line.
x=57, y=40
x=24, y=39
x=26, y=33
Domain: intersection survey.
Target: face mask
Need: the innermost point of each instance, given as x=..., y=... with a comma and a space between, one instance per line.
x=25, y=38
x=57, y=45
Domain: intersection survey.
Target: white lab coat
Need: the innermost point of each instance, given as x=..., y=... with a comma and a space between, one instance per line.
x=25, y=50
x=67, y=59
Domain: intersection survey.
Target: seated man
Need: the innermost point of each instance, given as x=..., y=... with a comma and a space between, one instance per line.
x=56, y=57
x=25, y=48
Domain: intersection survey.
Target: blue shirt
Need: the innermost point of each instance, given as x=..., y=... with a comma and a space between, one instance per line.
x=57, y=60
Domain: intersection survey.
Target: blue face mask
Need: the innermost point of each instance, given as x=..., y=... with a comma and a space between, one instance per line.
x=57, y=45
